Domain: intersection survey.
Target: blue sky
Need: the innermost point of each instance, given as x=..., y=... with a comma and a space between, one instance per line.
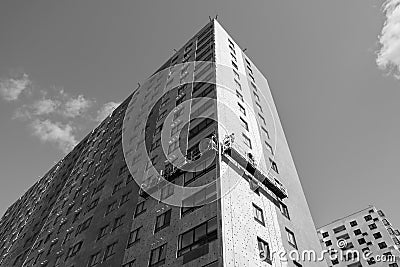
x=333, y=67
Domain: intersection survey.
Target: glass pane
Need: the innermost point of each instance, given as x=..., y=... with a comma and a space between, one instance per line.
x=200, y=232
x=212, y=225
x=154, y=256
x=186, y=239
x=163, y=252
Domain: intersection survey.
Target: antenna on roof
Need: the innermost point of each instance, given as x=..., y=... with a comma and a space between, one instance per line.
x=244, y=50
x=175, y=50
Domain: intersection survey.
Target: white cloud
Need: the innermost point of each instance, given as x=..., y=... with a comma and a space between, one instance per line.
x=45, y=106
x=57, y=133
x=106, y=110
x=11, y=88
x=389, y=39
x=76, y=106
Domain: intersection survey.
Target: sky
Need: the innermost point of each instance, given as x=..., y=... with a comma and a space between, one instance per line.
x=332, y=65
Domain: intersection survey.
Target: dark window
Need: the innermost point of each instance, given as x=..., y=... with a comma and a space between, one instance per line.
x=357, y=232
x=197, y=236
x=111, y=207
x=162, y=221
x=93, y=204
x=124, y=198
x=361, y=241
x=72, y=251
x=285, y=211
x=263, y=250
x=83, y=226
x=291, y=238
x=140, y=208
x=377, y=235
x=368, y=218
x=339, y=229
x=328, y=243
x=274, y=166
x=353, y=223
x=382, y=245
x=117, y=187
x=110, y=250
x=157, y=256
x=133, y=237
x=103, y=231
x=118, y=222
x=258, y=214
x=94, y=259
x=372, y=226
x=129, y=264
x=198, y=199
x=325, y=234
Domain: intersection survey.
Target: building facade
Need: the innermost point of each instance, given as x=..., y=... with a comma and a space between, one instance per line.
x=369, y=233
x=192, y=169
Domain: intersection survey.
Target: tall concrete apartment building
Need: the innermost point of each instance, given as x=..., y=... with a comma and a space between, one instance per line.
x=192, y=169
x=367, y=231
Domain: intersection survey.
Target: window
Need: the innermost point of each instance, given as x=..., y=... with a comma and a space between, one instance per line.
x=162, y=221
x=111, y=207
x=256, y=96
x=117, y=187
x=83, y=226
x=238, y=84
x=291, y=238
x=377, y=235
x=242, y=109
x=258, y=214
x=361, y=241
x=269, y=147
x=285, y=211
x=263, y=250
x=239, y=95
x=133, y=237
x=244, y=124
x=94, y=259
x=157, y=256
x=103, y=231
x=236, y=74
x=259, y=107
x=72, y=251
x=175, y=129
x=124, y=198
x=173, y=146
x=110, y=250
x=357, y=232
x=339, y=229
x=273, y=165
x=328, y=243
x=325, y=234
x=297, y=264
x=261, y=118
x=393, y=265
x=353, y=223
x=58, y=261
x=198, y=199
x=246, y=140
x=139, y=208
x=265, y=131
x=368, y=218
x=382, y=245
x=234, y=65
x=233, y=56
x=93, y=204
x=372, y=226
x=167, y=191
x=197, y=236
x=118, y=222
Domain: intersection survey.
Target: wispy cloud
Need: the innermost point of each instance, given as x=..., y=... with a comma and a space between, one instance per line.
x=106, y=110
x=11, y=88
x=389, y=54
x=55, y=132
x=54, y=115
x=77, y=106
